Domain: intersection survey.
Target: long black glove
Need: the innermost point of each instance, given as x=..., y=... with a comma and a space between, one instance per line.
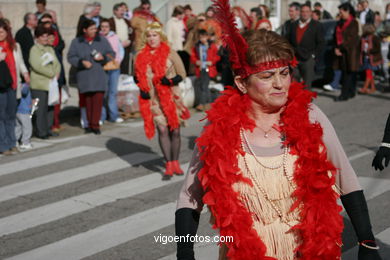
x=186, y=222
x=356, y=206
x=383, y=152
x=171, y=82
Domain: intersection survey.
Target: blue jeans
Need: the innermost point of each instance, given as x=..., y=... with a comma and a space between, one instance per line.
x=336, y=79
x=8, y=106
x=110, y=103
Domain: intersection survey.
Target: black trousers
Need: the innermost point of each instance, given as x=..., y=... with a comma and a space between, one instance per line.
x=203, y=84
x=348, y=81
x=306, y=71
x=44, y=114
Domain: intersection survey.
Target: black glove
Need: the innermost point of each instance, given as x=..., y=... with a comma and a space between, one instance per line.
x=135, y=79
x=171, y=82
x=356, y=207
x=186, y=222
x=383, y=152
x=166, y=82
x=144, y=95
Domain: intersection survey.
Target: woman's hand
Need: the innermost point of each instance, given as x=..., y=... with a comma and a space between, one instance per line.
x=338, y=52
x=144, y=95
x=26, y=77
x=383, y=153
x=87, y=64
x=98, y=57
x=198, y=63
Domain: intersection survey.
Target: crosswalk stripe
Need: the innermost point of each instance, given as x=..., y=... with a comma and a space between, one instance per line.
x=47, y=159
x=104, y=237
x=384, y=236
x=374, y=187
x=73, y=175
x=77, y=204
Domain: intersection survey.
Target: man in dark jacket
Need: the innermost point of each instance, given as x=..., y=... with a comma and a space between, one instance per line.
x=293, y=12
x=25, y=36
x=367, y=16
x=307, y=38
x=325, y=15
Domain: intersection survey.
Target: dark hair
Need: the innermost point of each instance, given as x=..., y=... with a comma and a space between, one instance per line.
x=145, y=2
x=41, y=30
x=45, y=15
x=86, y=24
x=104, y=20
x=116, y=7
x=377, y=13
x=177, y=11
x=317, y=12
x=187, y=7
x=266, y=10
x=317, y=4
x=210, y=8
x=257, y=10
x=41, y=2
x=348, y=7
x=26, y=17
x=203, y=32
x=306, y=5
x=123, y=4
x=296, y=5
x=7, y=28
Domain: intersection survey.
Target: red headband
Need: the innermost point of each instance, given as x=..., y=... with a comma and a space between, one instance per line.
x=246, y=71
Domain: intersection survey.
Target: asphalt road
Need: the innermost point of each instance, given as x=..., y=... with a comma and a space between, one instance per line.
x=101, y=197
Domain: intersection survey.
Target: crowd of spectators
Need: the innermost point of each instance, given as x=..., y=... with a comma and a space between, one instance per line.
x=32, y=60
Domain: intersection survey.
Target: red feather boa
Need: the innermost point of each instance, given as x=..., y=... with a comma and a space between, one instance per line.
x=158, y=63
x=321, y=224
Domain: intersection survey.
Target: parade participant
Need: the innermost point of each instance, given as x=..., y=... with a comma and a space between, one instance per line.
x=270, y=166
x=384, y=150
x=158, y=71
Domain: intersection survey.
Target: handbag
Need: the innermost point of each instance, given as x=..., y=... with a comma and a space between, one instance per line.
x=112, y=64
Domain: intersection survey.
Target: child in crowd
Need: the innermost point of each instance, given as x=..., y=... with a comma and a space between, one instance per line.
x=23, y=129
x=205, y=57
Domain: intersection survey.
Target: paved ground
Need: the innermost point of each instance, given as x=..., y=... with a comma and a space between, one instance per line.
x=101, y=197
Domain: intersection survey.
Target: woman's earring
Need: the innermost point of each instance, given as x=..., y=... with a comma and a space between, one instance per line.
x=244, y=91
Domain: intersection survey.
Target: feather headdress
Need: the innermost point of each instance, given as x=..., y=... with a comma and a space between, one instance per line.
x=235, y=42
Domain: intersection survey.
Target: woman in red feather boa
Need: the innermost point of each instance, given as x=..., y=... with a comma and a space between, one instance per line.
x=270, y=167
x=158, y=71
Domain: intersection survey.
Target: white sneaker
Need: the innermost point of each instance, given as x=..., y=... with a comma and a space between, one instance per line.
x=328, y=87
x=25, y=147
x=100, y=122
x=119, y=120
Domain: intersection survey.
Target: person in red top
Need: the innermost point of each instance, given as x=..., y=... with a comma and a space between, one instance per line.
x=205, y=57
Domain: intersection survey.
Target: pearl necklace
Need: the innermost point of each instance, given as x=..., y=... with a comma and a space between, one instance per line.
x=279, y=212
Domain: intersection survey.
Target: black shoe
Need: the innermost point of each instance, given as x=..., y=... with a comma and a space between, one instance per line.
x=96, y=131
x=53, y=134
x=87, y=130
x=43, y=137
x=340, y=98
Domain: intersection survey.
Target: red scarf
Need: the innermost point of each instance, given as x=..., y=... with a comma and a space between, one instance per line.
x=321, y=224
x=341, y=28
x=89, y=39
x=10, y=60
x=158, y=63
